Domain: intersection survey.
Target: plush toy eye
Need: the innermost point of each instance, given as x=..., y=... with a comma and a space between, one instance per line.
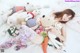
x=27, y=2
x=43, y=16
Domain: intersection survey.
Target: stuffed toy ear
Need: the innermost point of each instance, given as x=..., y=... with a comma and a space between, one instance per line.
x=18, y=8
x=29, y=7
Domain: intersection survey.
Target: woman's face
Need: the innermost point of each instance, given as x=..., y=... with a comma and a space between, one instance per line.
x=66, y=17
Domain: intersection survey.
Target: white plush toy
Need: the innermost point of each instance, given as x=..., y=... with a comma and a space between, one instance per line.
x=4, y=17
x=28, y=33
x=29, y=7
x=33, y=14
x=49, y=25
x=20, y=16
x=16, y=18
x=26, y=36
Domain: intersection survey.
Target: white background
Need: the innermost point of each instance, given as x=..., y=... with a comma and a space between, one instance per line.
x=73, y=29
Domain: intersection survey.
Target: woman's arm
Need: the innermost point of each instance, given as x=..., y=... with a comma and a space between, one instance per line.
x=60, y=33
x=63, y=33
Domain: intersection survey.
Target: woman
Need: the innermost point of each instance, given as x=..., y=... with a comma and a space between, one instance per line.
x=61, y=18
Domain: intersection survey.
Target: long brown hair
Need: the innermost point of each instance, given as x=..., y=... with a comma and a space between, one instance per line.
x=66, y=11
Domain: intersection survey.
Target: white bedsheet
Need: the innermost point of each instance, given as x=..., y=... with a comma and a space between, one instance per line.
x=73, y=35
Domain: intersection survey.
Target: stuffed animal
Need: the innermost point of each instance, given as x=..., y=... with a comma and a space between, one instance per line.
x=25, y=36
x=31, y=22
x=19, y=17
x=13, y=18
x=18, y=8
x=32, y=35
x=46, y=21
x=49, y=24
x=13, y=31
x=29, y=7
x=4, y=17
x=33, y=14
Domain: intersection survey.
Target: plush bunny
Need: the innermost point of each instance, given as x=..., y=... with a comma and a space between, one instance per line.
x=46, y=21
x=49, y=24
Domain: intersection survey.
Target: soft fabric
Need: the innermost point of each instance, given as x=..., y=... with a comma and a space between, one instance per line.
x=31, y=22
x=18, y=8
x=26, y=37
x=55, y=42
x=13, y=31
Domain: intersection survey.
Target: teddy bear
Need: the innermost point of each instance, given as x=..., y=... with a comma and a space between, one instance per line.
x=21, y=17
x=49, y=25
x=28, y=7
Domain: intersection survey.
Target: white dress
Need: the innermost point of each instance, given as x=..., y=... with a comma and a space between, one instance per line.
x=53, y=36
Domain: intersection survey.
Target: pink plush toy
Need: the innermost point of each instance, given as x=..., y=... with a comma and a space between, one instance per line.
x=39, y=30
x=25, y=34
x=29, y=8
